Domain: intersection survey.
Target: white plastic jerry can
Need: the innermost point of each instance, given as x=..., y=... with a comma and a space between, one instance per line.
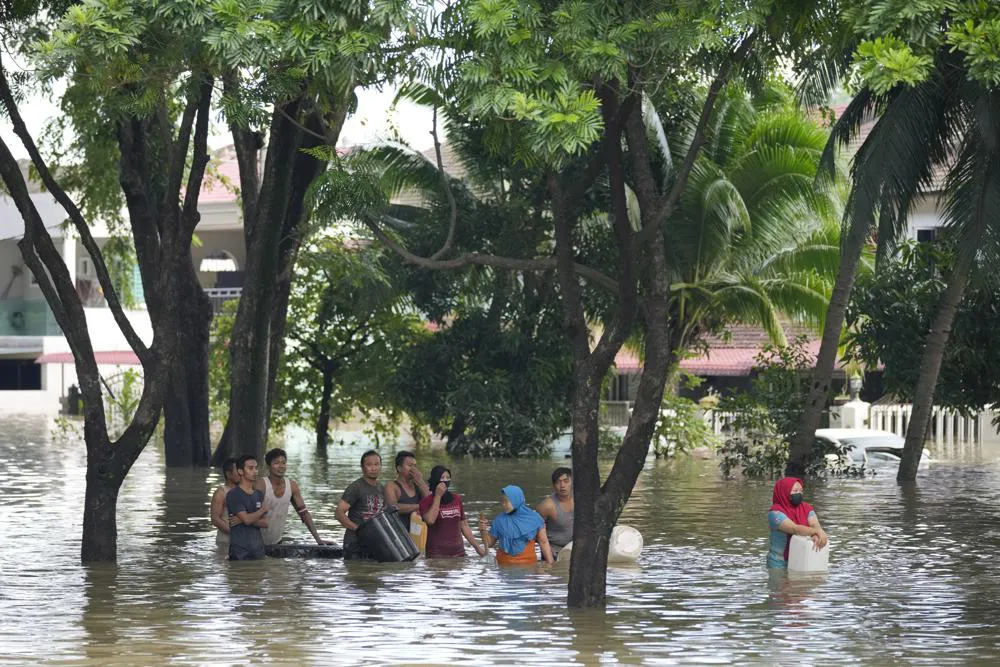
x=803, y=556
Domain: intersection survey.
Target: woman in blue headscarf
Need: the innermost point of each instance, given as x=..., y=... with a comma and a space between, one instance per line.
x=516, y=531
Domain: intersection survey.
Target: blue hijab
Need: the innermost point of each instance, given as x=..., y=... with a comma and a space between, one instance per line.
x=513, y=530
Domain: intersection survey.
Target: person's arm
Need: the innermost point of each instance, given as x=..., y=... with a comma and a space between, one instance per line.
x=484, y=533
x=546, y=508
x=471, y=539
x=431, y=515
x=543, y=542
x=342, y=508
x=819, y=538
x=300, y=506
x=790, y=527
x=220, y=515
x=392, y=498
x=251, y=518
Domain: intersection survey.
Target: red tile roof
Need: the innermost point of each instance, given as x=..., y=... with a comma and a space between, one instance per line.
x=735, y=357
x=112, y=358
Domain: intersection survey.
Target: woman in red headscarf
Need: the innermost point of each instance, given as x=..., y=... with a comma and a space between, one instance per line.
x=788, y=516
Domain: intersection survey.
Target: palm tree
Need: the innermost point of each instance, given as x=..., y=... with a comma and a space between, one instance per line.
x=946, y=121
x=753, y=241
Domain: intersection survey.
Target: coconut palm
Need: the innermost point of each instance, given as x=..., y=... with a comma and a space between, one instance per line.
x=755, y=240
x=949, y=122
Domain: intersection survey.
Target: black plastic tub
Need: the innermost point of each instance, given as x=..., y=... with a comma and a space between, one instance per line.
x=384, y=538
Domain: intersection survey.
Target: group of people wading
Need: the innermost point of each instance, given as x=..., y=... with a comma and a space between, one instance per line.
x=249, y=513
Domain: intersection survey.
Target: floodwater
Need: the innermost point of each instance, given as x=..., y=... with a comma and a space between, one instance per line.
x=914, y=574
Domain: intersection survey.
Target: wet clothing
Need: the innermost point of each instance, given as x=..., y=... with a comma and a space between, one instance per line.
x=560, y=527
x=777, y=556
x=405, y=499
x=781, y=509
x=277, y=511
x=515, y=529
x=245, y=542
x=444, y=536
x=366, y=500
x=527, y=557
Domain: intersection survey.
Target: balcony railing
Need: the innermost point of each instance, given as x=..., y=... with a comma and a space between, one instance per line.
x=27, y=317
x=220, y=295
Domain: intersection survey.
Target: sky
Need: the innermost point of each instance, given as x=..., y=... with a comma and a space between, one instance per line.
x=373, y=121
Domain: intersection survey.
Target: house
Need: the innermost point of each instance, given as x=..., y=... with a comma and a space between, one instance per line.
x=36, y=365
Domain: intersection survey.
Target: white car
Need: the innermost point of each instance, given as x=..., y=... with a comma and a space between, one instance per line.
x=870, y=448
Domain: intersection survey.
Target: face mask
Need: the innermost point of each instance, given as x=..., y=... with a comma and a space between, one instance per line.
x=796, y=499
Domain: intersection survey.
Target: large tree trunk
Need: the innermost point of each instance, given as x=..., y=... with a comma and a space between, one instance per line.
x=185, y=411
x=323, y=421
x=273, y=240
x=100, y=527
x=822, y=376
x=250, y=346
x=930, y=367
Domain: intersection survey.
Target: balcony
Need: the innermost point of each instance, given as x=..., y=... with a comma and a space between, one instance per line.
x=218, y=296
x=27, y=317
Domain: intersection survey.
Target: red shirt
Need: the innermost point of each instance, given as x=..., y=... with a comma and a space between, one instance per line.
x=444, y=536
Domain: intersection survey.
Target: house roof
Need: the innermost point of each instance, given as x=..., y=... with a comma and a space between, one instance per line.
x=727, y=356
x=110, y=358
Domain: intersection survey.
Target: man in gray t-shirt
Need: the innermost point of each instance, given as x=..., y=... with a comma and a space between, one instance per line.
x=246, y=505
x=363, y=499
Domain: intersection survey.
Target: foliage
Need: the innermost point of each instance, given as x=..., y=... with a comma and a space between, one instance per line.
x=762, y=420
x=346, y=325
x=902, y=40
x=755, y=239
x=890, y=315
x=681, y=427
x=121, y=399
x=218, y=362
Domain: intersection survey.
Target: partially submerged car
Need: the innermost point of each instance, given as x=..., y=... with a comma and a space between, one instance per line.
x=869, y=448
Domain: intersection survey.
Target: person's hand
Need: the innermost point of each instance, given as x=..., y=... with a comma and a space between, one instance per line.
x=819, y=540
x=484, y=525
x=416, y=475
x=440, y=489
x=262, y=523
x=482, y=551
x=233, y=521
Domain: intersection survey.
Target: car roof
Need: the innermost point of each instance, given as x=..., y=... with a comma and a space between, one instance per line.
x=840, y=433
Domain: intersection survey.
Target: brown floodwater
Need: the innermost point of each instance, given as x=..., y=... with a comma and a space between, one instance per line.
x=914, y=575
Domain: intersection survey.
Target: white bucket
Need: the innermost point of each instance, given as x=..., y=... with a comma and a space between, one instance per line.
x=625, y=547
x=803, y=556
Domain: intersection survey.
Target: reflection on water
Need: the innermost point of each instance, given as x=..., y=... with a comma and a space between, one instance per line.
x=913, y=576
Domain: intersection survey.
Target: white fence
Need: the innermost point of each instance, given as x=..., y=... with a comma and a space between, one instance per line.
x=218, y=296
x=946, y=427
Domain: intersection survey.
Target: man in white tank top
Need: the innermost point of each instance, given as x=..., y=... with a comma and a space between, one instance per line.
x=279, y=493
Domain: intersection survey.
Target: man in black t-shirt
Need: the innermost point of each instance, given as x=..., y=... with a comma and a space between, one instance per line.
x=363, y=499
x=246, y=505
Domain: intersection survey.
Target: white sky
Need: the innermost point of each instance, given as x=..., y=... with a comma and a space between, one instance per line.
x=372, y=122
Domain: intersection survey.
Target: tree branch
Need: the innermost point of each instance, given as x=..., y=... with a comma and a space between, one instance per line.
x=452, y=206
x=247, y=144
x=179, y=150
x=666, y=208
x=82, y=228
x=470, y=259
x=199, y=161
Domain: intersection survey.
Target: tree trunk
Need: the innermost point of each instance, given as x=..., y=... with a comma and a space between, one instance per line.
x=251, y=342
x=185, y=411
x=591, y=530
x=323, y=422
x=822, y=376
x=100, y=524
x=930, y=367
x=456, y=434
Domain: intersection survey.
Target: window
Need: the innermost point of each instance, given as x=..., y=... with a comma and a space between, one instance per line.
x=926, y=235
